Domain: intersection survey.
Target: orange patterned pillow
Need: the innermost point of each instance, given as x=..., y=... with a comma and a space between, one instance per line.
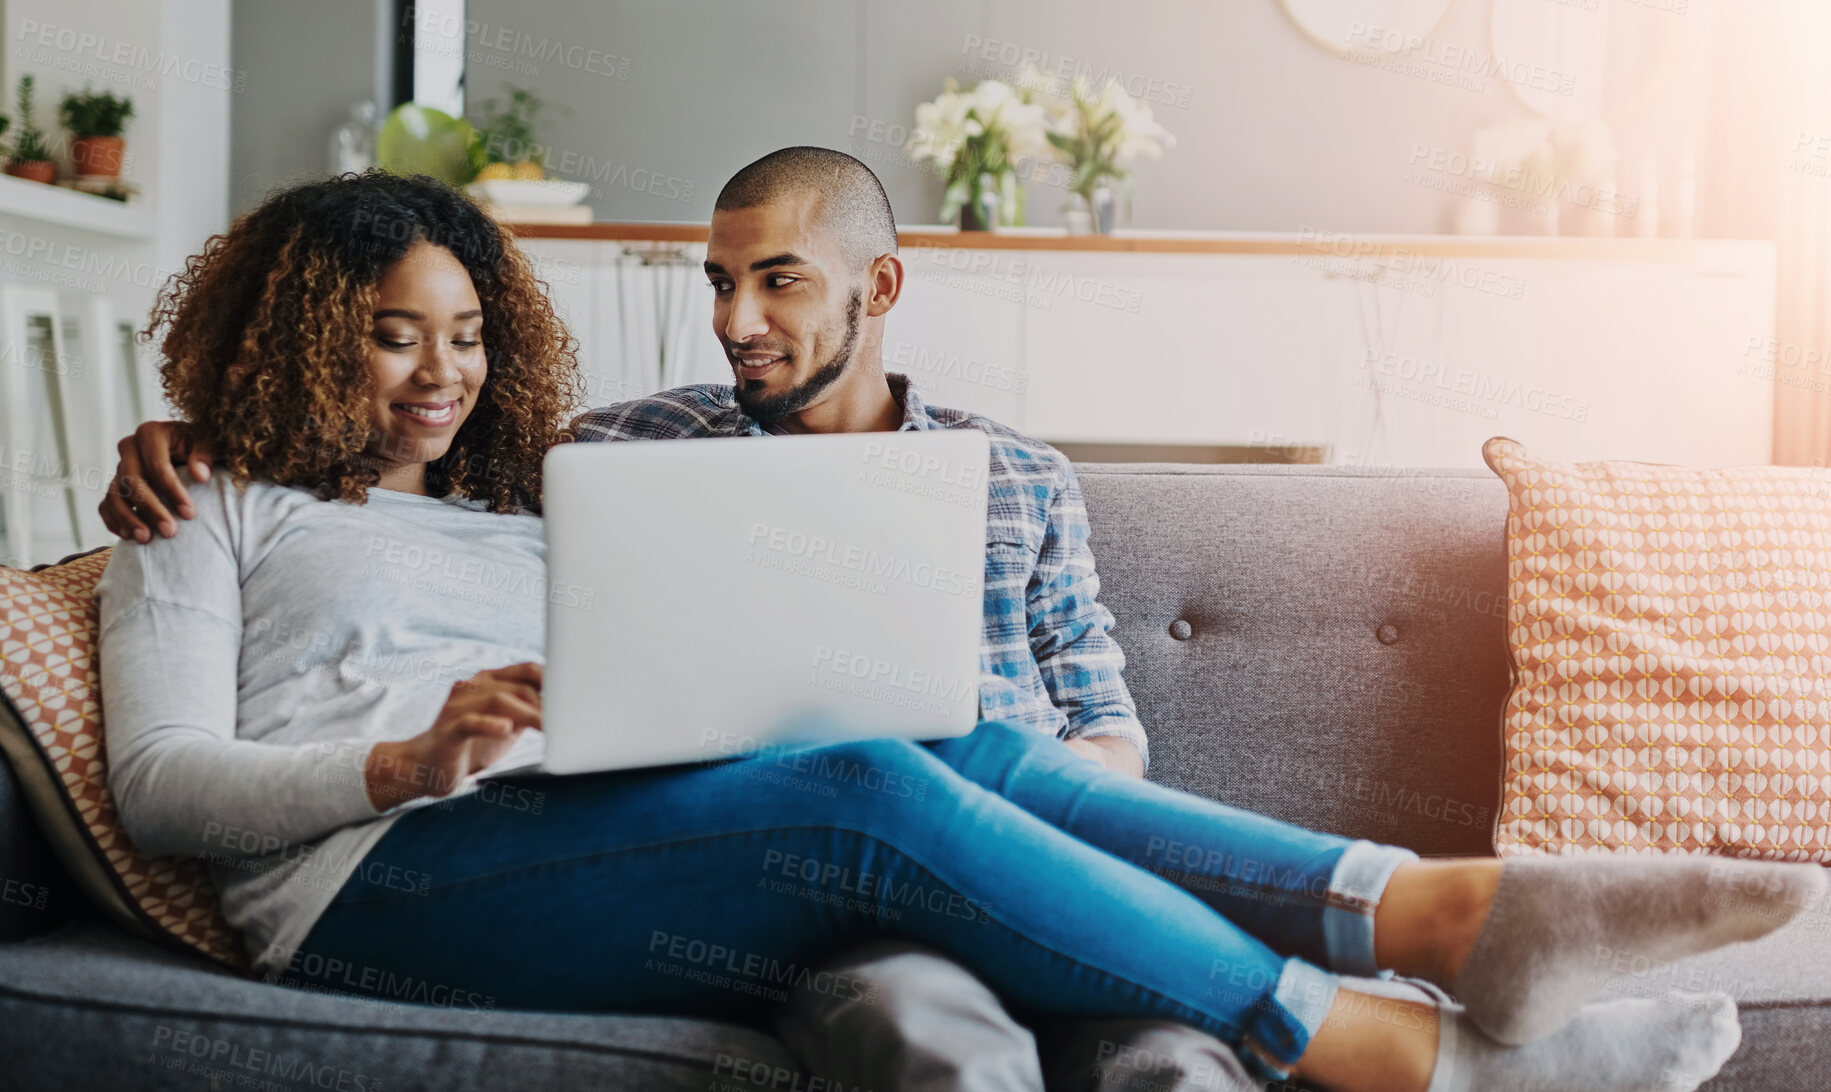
x=1670, y=631
x=51, y=733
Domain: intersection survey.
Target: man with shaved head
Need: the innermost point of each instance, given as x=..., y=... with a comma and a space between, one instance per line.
x=802, y=261
x=832, y=212
x=802, y=258
x=855, y=210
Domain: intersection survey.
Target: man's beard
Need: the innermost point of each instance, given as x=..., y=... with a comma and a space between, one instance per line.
x=796, y=399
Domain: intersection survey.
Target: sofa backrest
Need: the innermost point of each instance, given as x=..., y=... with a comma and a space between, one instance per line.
x=1321, y=644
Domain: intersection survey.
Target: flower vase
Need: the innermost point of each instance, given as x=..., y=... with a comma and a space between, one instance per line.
x=1011, y=201
x=980, y=211
x=1105, y=208
x=1077, y=215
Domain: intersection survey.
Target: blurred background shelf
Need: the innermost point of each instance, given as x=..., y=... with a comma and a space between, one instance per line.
x=67, y=207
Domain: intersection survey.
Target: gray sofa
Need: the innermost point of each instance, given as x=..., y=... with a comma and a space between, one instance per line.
x=1318, y=644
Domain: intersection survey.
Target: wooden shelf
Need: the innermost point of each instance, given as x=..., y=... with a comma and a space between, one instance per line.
x=1322, y=244
x=68, y=208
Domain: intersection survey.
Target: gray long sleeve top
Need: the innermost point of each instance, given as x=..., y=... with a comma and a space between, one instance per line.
x=250, y=664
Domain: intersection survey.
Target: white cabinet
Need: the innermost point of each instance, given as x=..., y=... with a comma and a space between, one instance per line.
x=1387, y=352
x=954, y=333
x=1179, y=349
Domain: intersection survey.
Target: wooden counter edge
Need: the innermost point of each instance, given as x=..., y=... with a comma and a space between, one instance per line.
x=1320, y=244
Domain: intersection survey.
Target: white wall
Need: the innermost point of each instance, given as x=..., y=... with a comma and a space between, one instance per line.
x=191, y=153
x=307, y=62
x=1274, y=131
x=657, y=102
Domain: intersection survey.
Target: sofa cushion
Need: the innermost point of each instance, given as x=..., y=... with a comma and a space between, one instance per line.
x=90, y=1007
x=1670, y=631
x=1320, y=644
x=51, y=733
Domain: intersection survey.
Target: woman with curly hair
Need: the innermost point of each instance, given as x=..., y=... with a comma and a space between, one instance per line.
x=302, y=688
x=381, y=376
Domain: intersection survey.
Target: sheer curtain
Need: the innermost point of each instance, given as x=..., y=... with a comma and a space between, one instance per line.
x=1766, y=173
x=656, y=310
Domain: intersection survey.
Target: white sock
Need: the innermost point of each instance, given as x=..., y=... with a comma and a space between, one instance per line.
x=1670, y=1045
x=1673, y=1044
x=1559, y=927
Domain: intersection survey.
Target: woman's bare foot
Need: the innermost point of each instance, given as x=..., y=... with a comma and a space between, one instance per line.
x=1432, y=912
x=1379, y=1044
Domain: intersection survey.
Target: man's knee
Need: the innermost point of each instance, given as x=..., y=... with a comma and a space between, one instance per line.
x=1136, y=1056
x=909, y=1018
x=900, y=986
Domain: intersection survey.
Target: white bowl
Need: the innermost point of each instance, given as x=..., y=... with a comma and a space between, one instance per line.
x=527, y=191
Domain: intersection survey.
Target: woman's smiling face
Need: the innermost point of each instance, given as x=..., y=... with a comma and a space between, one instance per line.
x=426, y=361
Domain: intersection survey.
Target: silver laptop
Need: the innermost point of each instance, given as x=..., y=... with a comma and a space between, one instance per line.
x=723, y=597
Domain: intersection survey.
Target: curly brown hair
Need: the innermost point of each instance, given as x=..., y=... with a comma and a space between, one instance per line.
x=266, y=335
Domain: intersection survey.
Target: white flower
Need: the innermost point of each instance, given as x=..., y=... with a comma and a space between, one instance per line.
x=1128, y=129
x=1140, y=134
x=1037, y=86
x=1000, y=108
x=993, y=110
x=942, y=126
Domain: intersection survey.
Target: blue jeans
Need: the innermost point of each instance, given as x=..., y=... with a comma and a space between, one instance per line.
x=708, y=890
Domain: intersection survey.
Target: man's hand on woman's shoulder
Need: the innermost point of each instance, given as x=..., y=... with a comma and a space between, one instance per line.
x=146, y=490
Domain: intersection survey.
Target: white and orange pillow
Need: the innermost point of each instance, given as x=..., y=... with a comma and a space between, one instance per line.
x=1670, y=634
x=51, y=733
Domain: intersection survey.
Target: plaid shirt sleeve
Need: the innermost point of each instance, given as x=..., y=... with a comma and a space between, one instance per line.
x=1080, y=662
x=670, y=415
x=600, y=425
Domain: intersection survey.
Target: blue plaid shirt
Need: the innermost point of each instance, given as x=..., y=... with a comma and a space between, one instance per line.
x=1047, y=660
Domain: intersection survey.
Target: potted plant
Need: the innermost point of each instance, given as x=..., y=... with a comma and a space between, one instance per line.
x=978, y=138
x=31, y=156
x=96, y=119
x=508, y=160
x=1097, y=132
x=507, y=142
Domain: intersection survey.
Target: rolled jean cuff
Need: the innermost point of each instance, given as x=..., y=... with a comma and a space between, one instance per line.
x=1282, y=1031
x=1355, y=890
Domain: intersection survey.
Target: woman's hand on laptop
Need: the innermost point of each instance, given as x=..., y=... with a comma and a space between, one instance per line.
x=146, y=489
x=482, y=719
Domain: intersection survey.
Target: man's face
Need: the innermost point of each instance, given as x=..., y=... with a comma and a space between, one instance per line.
x=787, y=305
